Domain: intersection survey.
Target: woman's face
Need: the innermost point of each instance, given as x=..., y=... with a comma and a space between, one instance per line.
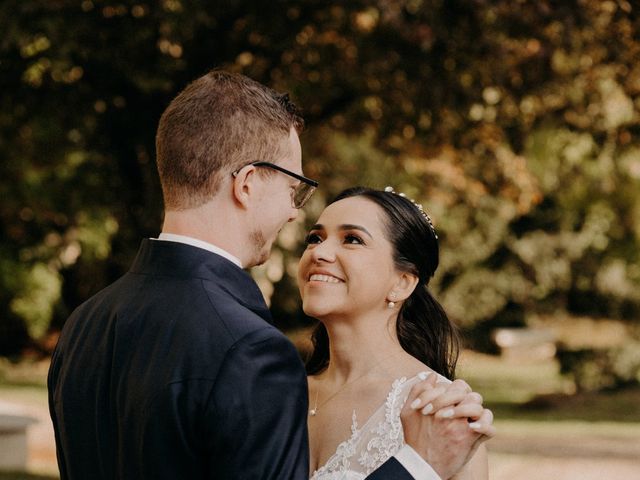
x=347, y=268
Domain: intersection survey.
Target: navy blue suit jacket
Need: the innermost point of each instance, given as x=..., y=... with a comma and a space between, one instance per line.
x=174, y=371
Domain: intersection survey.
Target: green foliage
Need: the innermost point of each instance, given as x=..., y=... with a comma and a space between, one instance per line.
x=34, y=302
x=514, y=123
x=602, y=369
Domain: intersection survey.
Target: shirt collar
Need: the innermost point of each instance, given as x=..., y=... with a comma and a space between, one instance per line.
x=194, y=242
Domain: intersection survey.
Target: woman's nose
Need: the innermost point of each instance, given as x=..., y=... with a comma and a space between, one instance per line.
x=324, y=252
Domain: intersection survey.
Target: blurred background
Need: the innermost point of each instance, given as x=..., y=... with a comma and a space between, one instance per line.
x=514, y=122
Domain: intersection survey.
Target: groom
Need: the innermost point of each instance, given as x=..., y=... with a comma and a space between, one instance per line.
x=174, y=371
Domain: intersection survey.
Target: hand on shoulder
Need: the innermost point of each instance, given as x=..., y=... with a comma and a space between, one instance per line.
x=445, y=424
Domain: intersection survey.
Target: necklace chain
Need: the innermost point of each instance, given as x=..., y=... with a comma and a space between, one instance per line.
x=314, y=411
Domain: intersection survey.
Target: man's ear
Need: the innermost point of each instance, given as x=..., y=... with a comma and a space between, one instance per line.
x=404, y=287
x=243, y=185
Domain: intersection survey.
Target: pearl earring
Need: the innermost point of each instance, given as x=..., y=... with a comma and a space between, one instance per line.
x=391, y=303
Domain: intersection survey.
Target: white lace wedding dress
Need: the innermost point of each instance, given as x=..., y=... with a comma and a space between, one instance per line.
x=373, y=443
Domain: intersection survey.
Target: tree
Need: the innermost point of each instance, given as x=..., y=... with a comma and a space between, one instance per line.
x=514, y=123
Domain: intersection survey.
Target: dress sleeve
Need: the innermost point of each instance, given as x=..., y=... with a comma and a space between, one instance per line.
x=256, y=414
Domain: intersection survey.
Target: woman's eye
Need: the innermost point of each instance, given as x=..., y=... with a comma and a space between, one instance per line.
x=353, y=239
x=312, y=238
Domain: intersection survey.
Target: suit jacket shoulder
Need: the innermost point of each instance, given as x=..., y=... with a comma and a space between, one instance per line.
x=138, y=379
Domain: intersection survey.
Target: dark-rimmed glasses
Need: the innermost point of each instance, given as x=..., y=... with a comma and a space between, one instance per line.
x=301, y=192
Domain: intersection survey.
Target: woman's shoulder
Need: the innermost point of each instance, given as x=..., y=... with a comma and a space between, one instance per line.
x=406, y=382
x=413, y=371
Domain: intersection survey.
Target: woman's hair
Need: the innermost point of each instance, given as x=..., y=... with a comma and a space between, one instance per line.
x=423, y=328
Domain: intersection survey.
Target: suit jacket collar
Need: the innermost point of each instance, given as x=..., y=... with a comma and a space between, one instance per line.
x=185, y=261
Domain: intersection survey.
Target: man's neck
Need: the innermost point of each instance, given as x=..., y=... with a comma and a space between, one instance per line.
x=195, y=242
x=209, y=224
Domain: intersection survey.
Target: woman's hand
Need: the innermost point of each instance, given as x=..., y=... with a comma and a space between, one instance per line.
x=445, y=423
x=452, y=400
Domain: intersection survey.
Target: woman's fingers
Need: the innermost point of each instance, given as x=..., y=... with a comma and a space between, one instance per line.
x=423, y=400
x=461, y=384
x=440, y=396
x=452, y=400
x=484, y=424
x=473, y=397
x=470, y=407
x=414, y=399
x=429, y=380
x=472, y=411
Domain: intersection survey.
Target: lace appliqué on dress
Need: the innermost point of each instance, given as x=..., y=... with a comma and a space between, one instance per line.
x=339, y=461
x=369, y=447
x=387, y=436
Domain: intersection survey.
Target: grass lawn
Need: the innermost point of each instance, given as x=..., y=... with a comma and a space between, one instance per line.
x=534, y=391
x=24, y=384
x=24, y=374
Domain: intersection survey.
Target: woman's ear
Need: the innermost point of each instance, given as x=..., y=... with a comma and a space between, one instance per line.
x=243, y=185
x=404, y=287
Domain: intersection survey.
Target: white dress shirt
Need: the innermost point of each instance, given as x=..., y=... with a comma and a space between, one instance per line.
x=194, y=242
x=415, y=464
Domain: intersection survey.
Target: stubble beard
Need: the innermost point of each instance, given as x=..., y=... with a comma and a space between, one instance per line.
x=261, y=250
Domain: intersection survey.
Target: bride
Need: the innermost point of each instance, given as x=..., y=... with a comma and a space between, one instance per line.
x=364, y=275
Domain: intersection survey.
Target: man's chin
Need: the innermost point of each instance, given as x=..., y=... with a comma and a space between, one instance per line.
x=261, y=249
x=262, y=255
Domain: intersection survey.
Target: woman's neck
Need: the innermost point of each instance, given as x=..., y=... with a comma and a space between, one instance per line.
x=361, y=347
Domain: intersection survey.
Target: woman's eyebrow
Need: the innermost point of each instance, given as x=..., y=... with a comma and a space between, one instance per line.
x=350, y=226
x=346, y=226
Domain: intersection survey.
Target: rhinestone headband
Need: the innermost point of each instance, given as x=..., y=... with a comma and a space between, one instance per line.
x=418, y=206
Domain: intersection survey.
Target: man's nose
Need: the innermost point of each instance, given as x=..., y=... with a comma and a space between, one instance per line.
x=293, y=215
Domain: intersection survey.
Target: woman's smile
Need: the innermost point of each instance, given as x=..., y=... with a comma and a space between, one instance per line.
x=324, y=278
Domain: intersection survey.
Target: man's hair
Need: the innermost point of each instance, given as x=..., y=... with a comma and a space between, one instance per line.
x=217, y=124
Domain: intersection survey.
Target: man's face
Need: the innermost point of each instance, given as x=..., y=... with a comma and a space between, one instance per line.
x=275, y=207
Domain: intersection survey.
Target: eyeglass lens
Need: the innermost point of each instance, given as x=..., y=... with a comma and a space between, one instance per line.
x=301, y=194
